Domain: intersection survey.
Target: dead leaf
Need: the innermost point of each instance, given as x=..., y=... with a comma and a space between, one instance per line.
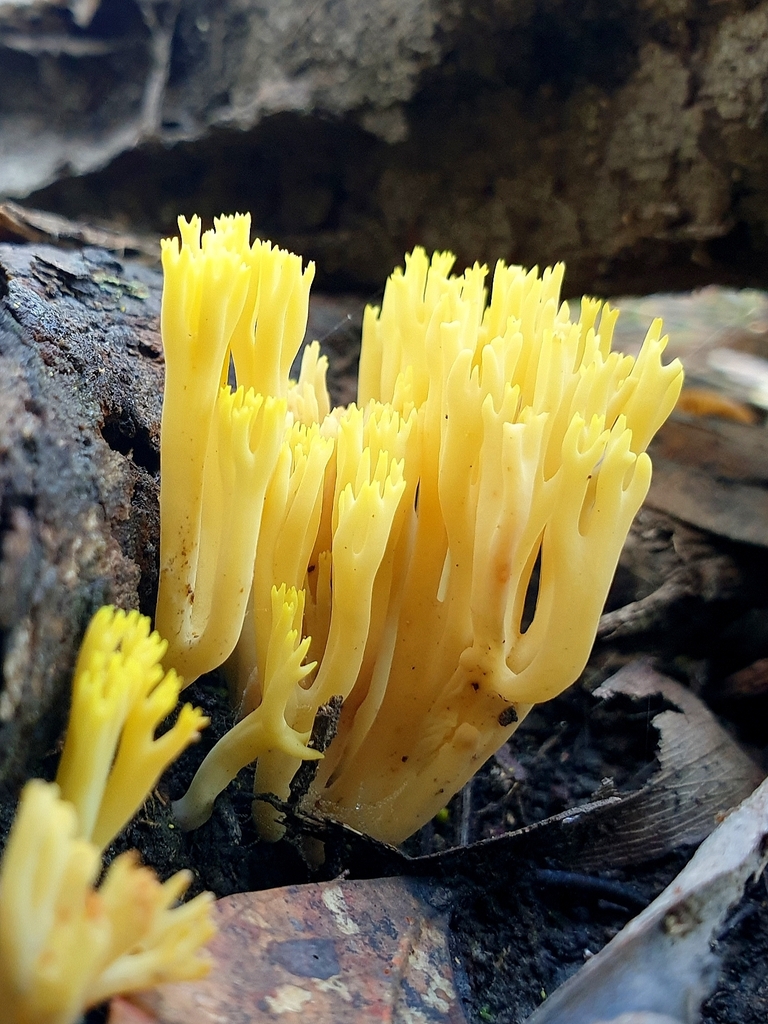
x=709, y=402
x=702, y=773
x=751, y=681
x=340, y=951
x=714, y=475
x=23, y=224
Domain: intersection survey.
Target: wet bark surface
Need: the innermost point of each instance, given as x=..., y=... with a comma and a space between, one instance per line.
x=80, y=399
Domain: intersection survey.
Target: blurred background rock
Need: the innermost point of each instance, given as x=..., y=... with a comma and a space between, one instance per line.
x=627, y=138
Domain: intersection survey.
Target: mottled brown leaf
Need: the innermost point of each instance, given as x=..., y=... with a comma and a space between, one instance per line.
x=336, y=952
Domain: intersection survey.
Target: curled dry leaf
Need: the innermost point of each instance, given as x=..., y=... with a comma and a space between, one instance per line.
x=663, y=962
x=702, y=773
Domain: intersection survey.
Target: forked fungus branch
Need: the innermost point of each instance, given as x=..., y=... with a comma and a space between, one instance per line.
x=66, y=945
x=438, y=554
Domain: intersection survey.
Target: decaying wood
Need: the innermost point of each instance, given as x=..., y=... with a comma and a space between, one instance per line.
x=22, y=224
x=80, y=399
x=81, y=377
x=668, y=563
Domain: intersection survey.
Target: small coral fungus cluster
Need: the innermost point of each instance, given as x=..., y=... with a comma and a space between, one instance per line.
x=436, y=555
x=64, y=944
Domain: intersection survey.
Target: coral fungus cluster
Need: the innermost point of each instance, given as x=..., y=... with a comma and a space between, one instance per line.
x=120, y=695
x=65, y=944
x=437, y=555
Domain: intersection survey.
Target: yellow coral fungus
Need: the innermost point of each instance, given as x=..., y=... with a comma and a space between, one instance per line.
x=263, y=730
x=454, y=534
x=65, y=945
x=120, y=695
x=222, y=298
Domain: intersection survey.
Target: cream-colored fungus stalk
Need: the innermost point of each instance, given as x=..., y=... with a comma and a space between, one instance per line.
x=444, y=547
x=264, y=729
x=66, y=945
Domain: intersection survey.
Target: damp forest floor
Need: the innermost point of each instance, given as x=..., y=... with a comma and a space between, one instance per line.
x=520, y=928
x=520, y=925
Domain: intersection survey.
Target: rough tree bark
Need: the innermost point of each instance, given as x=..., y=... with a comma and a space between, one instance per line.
x=80, y=398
